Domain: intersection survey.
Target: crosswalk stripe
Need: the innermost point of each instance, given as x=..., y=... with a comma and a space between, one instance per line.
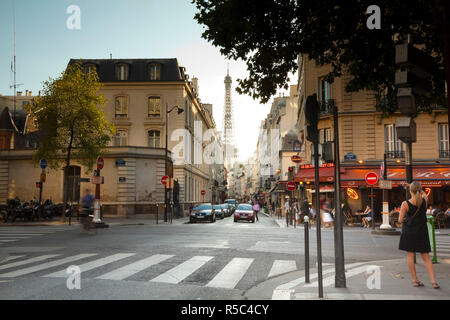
x=92, y=265
x=328, y=281
x=22, y=234
x=445, y=255
x=231, y=274
x=12, y=237
x=9, y=258
x=182, y=271
x=28, y=261
x=282, y=266
x=301, y=280
x=45, y=265
x=135, y=267
x=9, y=240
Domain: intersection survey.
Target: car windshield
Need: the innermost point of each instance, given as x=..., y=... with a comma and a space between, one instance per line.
x=232, y=201
x=225, y=206
x=244, y=207
x=217, y=207
x=203, y=207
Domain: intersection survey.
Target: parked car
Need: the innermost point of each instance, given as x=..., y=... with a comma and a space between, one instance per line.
x=219, y=211
x=204, y=212
x=227, y=209
x=244, y=212
x=233, y=204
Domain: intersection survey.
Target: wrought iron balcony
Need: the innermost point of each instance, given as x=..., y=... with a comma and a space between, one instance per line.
x=395, y=154
x=444, y=154
x=326, y=107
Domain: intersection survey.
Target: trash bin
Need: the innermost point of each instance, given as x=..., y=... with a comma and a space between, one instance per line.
x=431, y=235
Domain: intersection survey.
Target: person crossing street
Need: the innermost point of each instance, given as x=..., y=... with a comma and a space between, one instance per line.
x=256, y=210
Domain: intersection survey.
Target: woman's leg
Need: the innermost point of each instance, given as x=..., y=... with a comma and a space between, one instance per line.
x=429, y=265
x=411, y=266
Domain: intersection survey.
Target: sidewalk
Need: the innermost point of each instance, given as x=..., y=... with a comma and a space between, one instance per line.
x=371, y=280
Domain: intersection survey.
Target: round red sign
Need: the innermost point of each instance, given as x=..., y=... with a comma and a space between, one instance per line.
x=100, y=163
x=203, y=192
x=371, y=178
x=290, y=186
x=164, y=179
x=296, y=159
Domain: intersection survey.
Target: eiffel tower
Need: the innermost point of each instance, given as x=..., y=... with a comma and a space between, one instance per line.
x=228, y=125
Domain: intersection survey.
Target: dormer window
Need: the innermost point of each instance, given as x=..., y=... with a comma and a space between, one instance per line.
x=155, y=71
x=89, y=67
x=122, y=72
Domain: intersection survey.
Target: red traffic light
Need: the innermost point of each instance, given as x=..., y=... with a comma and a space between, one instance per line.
x=38, y=184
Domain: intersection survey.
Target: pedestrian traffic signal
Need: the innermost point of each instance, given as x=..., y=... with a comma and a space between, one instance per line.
x=312, y=117
x=39, y=185
x=291, y=172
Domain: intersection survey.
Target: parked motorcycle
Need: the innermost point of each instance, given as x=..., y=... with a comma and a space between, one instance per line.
x=18, y=210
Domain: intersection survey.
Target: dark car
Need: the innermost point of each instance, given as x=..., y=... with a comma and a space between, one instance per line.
x=204, y=212
x=233, y=204
x=219, y=211
x=244, y=212
x=226, y=209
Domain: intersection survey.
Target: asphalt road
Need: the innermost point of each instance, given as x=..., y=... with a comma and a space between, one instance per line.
x=181, y=261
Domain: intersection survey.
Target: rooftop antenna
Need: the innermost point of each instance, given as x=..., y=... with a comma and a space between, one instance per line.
x=15, y=85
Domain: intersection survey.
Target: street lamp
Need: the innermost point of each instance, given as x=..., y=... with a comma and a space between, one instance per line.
x=179, y=111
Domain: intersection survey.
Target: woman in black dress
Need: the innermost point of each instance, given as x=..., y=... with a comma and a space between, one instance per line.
x=414, y=237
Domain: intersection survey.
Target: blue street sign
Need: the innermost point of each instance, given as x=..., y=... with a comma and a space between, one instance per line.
x=43, y=163
x=297, y=146
x=120, y=163
x=350, y=157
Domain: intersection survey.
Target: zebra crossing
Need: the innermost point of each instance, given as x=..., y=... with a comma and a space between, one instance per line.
x=442, y=247
x=12, y=233
x=220, y=273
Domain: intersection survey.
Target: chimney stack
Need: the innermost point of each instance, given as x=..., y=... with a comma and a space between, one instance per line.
x=195, y=85
x=19, y=93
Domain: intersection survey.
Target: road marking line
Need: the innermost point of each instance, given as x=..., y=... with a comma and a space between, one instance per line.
x=92, y=265
x=282, y=294
x=45, y=265
x=231, y=274
x=328, y=281
x=11, y=258
x=12, y=234
x=12, y=237
x=133, y=268
x=282, y=266
x=301, y=280
x=9, y=240
x=182, y=271
x=28, y=261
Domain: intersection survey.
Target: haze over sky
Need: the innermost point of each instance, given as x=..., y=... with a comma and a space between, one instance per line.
x=127, y=29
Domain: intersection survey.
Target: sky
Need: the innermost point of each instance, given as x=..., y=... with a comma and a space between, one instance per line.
x=126, y=29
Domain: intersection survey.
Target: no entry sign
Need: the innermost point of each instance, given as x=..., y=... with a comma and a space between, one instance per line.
x=164, y=179
x=203, y=192
x=371, y=178
x=100, y=163
x=290, y=186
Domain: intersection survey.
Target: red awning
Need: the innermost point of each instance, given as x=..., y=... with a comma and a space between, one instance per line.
x=325, y=175
x=428, y=176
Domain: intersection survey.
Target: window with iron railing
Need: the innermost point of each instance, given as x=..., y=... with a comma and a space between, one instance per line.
x=121, y=110
x=154, y=106
x=444, y=150
x=394, y=148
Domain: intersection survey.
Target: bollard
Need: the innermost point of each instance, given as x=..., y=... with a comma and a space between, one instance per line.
x=306, y=221
x=432, y=237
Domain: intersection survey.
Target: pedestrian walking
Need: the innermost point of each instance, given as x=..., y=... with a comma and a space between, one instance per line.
x=414, y=236
x=256, y=210
x=287, y=210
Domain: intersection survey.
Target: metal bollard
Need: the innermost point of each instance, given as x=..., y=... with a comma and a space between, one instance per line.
x=306, y=222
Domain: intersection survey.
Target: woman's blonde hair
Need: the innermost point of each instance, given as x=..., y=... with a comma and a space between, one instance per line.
x=416, y=189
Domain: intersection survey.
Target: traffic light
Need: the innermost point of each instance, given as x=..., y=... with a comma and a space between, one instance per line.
x=415, y=76
x=327, y=152
x=312, y=117
x=291, y=171
x=38, y=185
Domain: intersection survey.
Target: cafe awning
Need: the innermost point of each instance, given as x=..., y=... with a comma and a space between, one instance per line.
x=325, y=175
x=279, y=187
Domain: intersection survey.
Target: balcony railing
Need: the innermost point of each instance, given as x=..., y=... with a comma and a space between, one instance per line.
x=395, y=154
x=326, y=107
x=444, y=154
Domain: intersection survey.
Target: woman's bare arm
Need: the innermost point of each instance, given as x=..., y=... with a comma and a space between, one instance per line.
x=403, y=210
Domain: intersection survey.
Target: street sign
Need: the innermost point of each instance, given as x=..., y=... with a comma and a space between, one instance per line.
x=83, y=179
x=350, y=156
x=98, y=180
x=43, y=163
x=100, y=163
x=296, y=159
x=297, y=146
x=122, y=179
x=164, y=179
x=203, y=192
x=371, y=178
x=385, y=184
x=120, y=163
x=290, y=186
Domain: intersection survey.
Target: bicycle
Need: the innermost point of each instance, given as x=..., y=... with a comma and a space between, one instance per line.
x=86, y=220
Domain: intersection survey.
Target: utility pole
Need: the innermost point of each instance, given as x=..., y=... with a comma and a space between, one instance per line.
x=339, y=260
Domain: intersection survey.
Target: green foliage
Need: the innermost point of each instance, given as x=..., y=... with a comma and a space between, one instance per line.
x=269, y=35
x=69, y=114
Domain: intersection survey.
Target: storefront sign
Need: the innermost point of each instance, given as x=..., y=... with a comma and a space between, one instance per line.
x=297, y=146
x=352, y=193
x=428, y=191
x=385, y=184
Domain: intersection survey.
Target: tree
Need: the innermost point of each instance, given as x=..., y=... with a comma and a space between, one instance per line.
x=269, y=35
x=70, y=116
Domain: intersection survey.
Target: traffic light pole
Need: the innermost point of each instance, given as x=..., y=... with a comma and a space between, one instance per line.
x=339, y=260
x=318, y=216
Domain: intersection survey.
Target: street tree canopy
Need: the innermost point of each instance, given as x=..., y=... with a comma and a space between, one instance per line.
x=269, y=35
x=70, y=116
